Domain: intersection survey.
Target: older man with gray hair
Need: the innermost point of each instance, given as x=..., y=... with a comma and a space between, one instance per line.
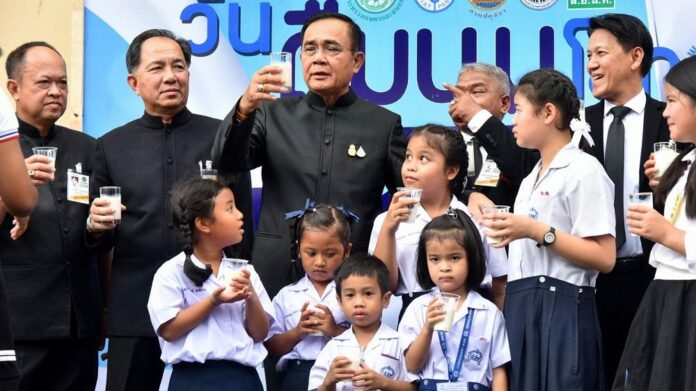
x=481, y=100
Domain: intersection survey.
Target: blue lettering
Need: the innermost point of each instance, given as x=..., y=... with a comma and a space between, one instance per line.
x=400, y=81
x=262, y=43
x=193, y=11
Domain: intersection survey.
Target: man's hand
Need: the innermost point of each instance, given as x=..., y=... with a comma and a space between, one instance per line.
x=264, y=82
x=20, y=227
x=40, y=169
x=463, y=107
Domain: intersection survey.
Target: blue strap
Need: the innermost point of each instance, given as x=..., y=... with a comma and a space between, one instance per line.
x=454, y=373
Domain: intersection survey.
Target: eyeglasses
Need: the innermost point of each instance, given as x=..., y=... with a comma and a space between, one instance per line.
x=328, y=50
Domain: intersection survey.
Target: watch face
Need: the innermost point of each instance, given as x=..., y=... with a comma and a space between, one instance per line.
x=549, y=237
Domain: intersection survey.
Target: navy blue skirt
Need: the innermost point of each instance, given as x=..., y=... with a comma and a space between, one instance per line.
x=296, y=377
x=554, y=335
x=214, y=375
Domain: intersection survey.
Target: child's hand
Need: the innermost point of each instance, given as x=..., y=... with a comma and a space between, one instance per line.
x=436, y=313
x=221, y=295
x=325, y=322
x=242, y=282
x=509, y=227
x=651, y=172
x=398, y=210
x=340, y=370
x=305, y=325
x=648, y=223
x=367, y=379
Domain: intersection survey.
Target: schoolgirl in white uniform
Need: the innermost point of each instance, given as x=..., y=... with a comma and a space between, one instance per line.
x=660, y=352
x=435, y=162
x=473, y=354
x=210, y=317
x=307, y=311
x=560, y=237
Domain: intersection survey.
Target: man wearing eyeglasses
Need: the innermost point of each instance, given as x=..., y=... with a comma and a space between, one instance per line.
x=328, y=145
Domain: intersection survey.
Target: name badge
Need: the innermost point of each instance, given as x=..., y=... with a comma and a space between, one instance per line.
x=489, y=176
x=452, y=386
x=78, y=187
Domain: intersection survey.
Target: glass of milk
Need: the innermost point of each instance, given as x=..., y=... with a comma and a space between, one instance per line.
x=415, y=194
x=284, y=61
x=492, y=235
x=665, y=152
x=450, y=307
x=113, y=195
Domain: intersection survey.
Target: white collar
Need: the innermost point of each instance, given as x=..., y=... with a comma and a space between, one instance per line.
x=636, y=104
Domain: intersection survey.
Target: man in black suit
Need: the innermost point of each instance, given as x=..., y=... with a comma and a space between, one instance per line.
x=328, y=145
x=619, y=56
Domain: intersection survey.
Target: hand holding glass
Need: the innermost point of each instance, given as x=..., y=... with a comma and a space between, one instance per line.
x=645, y=199
x=113, y=195
x=411, y=193
x=491, y=233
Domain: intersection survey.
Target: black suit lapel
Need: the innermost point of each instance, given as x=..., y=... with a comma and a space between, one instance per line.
x=595, y=118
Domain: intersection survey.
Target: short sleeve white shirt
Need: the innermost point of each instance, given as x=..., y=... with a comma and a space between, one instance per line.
x=8, y=121
x=670, y=264
x=384, y=354
x=288, y=309
x=407, y=237
x=486, y=350
x=221, y=336
x=575, y=196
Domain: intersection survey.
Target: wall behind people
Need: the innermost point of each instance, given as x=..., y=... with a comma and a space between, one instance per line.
x=58, y=22
x=407, y=61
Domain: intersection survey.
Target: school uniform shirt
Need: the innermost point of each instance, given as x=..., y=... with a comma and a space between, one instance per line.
x=575, y=196
x=384, y=354
x=288, y=309
x=8, y=121
x=486, y=350
x=407, y=237
x=8, y=359
x=220, y=336
x=670, y=264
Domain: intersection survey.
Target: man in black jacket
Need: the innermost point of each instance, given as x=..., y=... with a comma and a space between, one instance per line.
x=329, y=145
x=619, y=56
x=51, y=275
x=145, y=157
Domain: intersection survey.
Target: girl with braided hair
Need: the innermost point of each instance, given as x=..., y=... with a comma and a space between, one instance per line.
x=561, y=237
x=435, y=162
x=307, y=311
x=210, y=317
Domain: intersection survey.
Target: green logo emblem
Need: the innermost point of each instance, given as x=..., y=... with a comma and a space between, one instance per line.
x=375, y=6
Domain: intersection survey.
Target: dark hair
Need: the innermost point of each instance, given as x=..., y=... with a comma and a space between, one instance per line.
x=363, y=265
x=457, y=226
x=550, y=86
x=451, y=145
x=354, y=32
x=193, y=197
x=15, y=59
x=682, y=77
x=630, y=32
x=317, y=218
x=135, y=48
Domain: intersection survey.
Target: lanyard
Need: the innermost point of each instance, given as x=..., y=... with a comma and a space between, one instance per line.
x=454, y=373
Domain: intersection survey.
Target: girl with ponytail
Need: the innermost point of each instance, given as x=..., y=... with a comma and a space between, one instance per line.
x=210, y=315
x=661, y=348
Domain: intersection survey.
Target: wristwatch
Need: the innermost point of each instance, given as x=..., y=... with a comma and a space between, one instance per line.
x=549, y=238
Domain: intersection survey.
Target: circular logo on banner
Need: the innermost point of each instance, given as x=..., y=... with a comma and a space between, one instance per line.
x=487, y=5
x=434, y=5
x=539, y=4
x=375, y=6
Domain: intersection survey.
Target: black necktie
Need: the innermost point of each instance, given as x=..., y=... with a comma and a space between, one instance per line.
x=478, y=158
x=614, y=165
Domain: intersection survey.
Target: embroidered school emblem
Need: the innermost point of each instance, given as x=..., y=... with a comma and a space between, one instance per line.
x=387, y=372
x=345, y=324
x=533, y=213
x=475, y=356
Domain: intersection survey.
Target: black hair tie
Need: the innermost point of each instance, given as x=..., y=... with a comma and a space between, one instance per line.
x=195, y=273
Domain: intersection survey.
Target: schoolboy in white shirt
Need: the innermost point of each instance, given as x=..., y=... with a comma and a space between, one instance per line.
x=363, y=292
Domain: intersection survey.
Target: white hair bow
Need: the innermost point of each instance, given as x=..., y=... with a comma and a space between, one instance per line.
x=580, y=129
